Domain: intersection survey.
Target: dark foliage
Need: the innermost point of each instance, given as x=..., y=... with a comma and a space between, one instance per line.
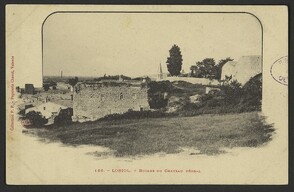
x=64, y=117
x=163, y=86
x=156, y=94
x=157, y=101
x=36, y=119
x=73, y=81
x=231, y=99
x=203, y=69
x=174, y=61
x=46, y=86
x=50, y=82
x=252, y=91
x=207, y=68
x=232, y=92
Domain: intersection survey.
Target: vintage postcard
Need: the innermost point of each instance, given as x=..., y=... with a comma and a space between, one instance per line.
x=146, y=94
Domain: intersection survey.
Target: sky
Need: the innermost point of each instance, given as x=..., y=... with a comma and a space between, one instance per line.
x=94, y=44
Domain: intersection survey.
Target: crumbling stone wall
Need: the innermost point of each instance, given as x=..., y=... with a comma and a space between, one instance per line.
x=94, y=101
x=243, y=69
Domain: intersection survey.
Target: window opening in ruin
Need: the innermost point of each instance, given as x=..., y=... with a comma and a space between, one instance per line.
x=134, y=96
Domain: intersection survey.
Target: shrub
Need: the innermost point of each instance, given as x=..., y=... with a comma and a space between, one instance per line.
x=36, y=119
x=213, y=103
x=205, y=97
x=231, y=99
x=157, y=101
x=46, y=87
x=252, y=91
x=64, y=117
x=232, y=92
x=156, y=93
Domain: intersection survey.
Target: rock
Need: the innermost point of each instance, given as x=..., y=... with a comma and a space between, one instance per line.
x=195, y=98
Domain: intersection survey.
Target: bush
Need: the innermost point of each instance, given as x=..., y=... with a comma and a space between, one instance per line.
x=213, y=103
x=205, y=97
x=156, y=92
x=36, y=119
x=231, y=99
x=253, y=91
x=64, y=117
x=157, y=101
x=232, y=92
x=46, y=87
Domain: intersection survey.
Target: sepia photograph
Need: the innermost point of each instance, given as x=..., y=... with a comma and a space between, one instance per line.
x=122, y=88
x=186, y=89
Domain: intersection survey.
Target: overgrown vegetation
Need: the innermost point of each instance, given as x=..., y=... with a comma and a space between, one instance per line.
x=138, y=133
x=49, y=83
x=73, y=81
x=207, y=68
x=159, y=93
x=252, y=92
x=35, y=119
x=156, y=94
x=64, y=117
x=232, y=98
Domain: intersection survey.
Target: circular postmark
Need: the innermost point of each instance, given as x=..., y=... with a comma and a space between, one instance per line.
x=279, y=70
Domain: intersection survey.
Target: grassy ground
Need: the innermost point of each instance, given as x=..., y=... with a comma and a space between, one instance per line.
x=207, y=133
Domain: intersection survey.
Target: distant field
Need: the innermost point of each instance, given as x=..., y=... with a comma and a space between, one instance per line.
x=207, y=133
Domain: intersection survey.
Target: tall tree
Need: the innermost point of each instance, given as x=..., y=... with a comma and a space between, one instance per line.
x=209, y=69
x=174, y=61
x=73, y=81
x=204, y=68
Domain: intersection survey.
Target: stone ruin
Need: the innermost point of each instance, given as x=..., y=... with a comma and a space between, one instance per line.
x=243, y=69
x=94, y=100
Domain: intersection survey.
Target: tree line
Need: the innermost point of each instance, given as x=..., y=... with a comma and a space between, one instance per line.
x=207, y=68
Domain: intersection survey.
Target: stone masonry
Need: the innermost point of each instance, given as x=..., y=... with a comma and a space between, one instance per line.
x=95, y=100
